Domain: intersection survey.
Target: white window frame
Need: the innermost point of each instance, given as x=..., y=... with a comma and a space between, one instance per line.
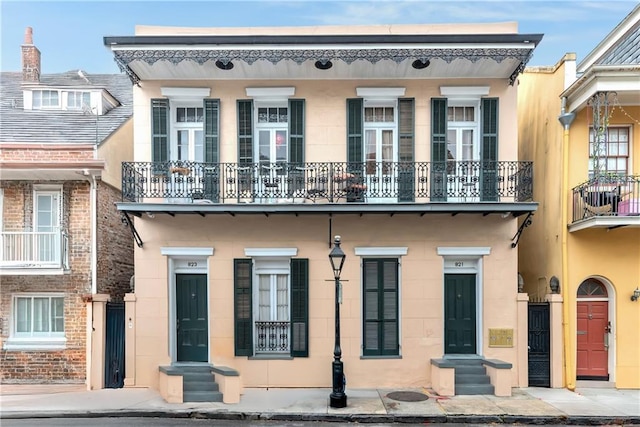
x=73, y=94
x=629, y=155
x=30, y=340
x=190, y=127
x=58, y=106
x=272, y=262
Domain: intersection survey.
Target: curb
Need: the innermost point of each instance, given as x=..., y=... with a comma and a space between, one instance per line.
x=344, y=418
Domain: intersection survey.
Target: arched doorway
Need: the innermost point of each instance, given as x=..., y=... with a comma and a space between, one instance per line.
x=593, y=331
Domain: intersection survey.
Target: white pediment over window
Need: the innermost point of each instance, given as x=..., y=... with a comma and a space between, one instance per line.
x=271, y=93
x=186, y=92
x=464, y=92
x=380, y=92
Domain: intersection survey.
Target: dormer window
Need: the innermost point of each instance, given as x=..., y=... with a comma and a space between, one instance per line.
x=78, y=100
x=45, y=99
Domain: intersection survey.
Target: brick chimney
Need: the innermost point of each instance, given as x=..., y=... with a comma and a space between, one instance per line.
x=30, y=58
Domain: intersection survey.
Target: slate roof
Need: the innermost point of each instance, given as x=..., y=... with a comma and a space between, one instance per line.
x=56, y=126
x=626, y=51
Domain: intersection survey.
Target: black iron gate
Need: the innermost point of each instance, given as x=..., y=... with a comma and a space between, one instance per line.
x=114, y=346
x=539, y=345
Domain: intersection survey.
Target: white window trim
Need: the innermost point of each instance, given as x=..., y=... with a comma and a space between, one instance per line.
x=382, y=251
x=186, y=93
x=270, y=252
x=270, y=94
x=56, y=342
x=464, y=92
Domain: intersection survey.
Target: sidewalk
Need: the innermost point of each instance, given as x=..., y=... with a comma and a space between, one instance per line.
x=526, y=406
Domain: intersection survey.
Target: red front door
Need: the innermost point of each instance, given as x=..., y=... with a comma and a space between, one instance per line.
x=593, y=349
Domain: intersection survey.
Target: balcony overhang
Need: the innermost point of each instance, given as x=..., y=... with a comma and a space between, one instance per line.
x=623, y=80
x=451, y=208
x=50, y=171
x=365, y=56
x=608, y=222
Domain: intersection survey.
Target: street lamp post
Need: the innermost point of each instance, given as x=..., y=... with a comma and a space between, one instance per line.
x=337, y=398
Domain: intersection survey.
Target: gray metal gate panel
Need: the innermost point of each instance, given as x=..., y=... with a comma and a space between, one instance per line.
x=539, y=345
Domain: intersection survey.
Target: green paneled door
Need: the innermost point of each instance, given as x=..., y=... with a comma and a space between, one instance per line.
x=460, y=313
x=191, y=317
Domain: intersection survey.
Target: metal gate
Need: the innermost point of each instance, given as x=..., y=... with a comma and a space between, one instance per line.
x=114, y=346
x=539, y=345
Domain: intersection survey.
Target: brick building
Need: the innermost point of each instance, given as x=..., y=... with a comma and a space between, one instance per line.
x=64, y=251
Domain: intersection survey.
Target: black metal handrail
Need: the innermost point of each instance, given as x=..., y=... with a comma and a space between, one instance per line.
x=609, y=195
x=333, y=182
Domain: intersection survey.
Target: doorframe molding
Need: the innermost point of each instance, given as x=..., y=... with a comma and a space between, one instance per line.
x=611, y=313
x=177, y=262
x=473, y=258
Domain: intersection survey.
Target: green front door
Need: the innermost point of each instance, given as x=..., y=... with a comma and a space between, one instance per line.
x=191, y=317
x=460, y=313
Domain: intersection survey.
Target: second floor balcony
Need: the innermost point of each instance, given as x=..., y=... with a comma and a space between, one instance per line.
x=334, y=183
x=33, y=252
x=606, y=202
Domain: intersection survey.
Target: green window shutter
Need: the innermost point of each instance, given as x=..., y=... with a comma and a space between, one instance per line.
x=159, y=130
x=406, y=149
x=489, y=155
x=355, y=125
x=211, y=172
x=438, y=149
x=245, y=131
x=211, y=130
x=380, y=307
x=242, y=302
x=296, y=131
x=299, y=307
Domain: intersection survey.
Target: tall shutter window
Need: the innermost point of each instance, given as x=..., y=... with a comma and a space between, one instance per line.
x=438, y=149
x=245, y=131
x=299, y=307
x=296, y=131
x=489, y=155
x=159, y=130
x=211, y=130
x=355, y=125
x=211, y=172
x=243, y=330
x=406, y=149
x=380, y=309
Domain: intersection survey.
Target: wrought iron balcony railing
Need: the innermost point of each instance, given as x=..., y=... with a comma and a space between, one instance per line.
x=610, y=195
x=333, y=182
x=32, y=249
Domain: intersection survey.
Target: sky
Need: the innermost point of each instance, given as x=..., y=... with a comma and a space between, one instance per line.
x=70, y=34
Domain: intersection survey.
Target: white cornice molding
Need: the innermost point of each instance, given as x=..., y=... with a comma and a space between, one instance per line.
x=186, y=92
x=270, y=252
x=470, y=251
x=271, y=93
x=381, y=251
x=192, y=252
x=466, y=92
x=380, y=92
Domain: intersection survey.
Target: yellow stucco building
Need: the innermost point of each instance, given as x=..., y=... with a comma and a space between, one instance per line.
x=580, y=123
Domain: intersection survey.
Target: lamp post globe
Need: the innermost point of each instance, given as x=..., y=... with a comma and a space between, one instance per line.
x=337, y=398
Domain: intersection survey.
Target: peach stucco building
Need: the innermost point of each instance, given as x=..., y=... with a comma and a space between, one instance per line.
x=585, y=143
x=253, y=147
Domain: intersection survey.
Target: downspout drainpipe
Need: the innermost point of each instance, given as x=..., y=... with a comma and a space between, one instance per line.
x=94, y=237
x=566, y=119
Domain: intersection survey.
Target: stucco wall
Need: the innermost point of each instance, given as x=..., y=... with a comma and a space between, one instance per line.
x=325, y=113
x=421, y=291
